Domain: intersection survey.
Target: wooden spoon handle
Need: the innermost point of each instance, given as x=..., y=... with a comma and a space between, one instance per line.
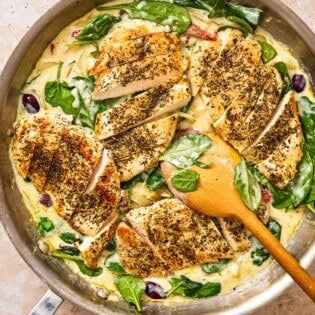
x=275, y=248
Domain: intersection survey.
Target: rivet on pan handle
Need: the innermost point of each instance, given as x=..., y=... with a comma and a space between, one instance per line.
x=47, y=305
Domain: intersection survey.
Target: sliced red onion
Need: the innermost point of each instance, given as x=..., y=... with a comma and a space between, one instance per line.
x=298, y=83
x=30, y=103
x=154, y=290
x=45, y=200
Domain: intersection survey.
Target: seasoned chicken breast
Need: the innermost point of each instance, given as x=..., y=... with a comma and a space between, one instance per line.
x=229, y=73
x=179, y=235
x=71, y=169
x=278, y=150
x=235, y=233
x=136, y=255
x=119, y=53
x=139, y=149
x=27, y=132
x=99, y=200
x=203, y=56
x=154, y=102
x=66, y=163
x=248, y=114
x=138, y=76
x=94, y=250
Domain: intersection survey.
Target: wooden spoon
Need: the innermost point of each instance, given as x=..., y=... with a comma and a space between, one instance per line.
x=216, y=196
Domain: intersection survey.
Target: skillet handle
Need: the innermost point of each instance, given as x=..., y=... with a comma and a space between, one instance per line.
x=47, y=305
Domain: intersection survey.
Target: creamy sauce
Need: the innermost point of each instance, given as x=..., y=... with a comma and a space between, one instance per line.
x=77, y=62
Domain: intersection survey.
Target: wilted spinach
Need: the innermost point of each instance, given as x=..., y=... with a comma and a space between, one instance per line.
x=44, y=225
x=268, y=52
x=69, y=250
x=215, y=267
x=186, y=150
x=185, y=287
x=259, y=254
x=247, y=185
x=295, y=193
x=307, y=117
x=155, y=180
x=60, y=94
x=131, y=288
x=70, y=238
x=98, y=27
x=114, y=266
x=160, y=12
x=80, y=263
x=218, y=8
x=283, y=70
x=242, y=23
x=185, y=181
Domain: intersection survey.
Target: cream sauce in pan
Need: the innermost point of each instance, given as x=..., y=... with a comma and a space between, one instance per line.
x=76, y=62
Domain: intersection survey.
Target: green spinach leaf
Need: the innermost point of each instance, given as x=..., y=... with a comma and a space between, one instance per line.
x=251, y=15
x=242, y=23
x=215, y=267
x=73, y=251
x=114, y=266
x=70, y=238
x=283, y=70
x=186, y=150
x=80, y=263
x=44, y=225
x=307, y=117
x=185, y=181
x=155, y=180
x=60, y=94
x=297, y=191
x=160, y=12
x=259, y=254
x=217, y=8
x=89, y=108
x=268, y=52
x=87, y=271
x=98, y=27
x=247, y=185
x=131, y=288
x=130, y=184
x=111, y=245
x=185, y=287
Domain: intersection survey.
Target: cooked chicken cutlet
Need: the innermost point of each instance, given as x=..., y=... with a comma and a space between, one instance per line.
x=136, y=255
x=250, y=111
x=139, y=149
x=93, y=252
x=155, y=102
x=27, y=132
x=71, y=169
x=66, y=163
x=278, y=150
x=179, y=235
x=230, y=72
x=138, y=76
x=100, y=199
x=203, y=56
x=119, y=53
x=235, y=233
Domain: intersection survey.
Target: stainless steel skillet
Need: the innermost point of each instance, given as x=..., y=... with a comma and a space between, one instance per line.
x=282, y=23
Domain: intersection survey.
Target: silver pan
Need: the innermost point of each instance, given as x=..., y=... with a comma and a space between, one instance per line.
x=260, y=290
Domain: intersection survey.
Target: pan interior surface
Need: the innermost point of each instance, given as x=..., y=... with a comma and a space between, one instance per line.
x=20, y=228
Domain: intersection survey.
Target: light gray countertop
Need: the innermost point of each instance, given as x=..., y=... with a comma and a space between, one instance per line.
x=20, y=288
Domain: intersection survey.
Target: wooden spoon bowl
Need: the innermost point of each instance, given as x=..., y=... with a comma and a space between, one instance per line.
x=217, y=196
